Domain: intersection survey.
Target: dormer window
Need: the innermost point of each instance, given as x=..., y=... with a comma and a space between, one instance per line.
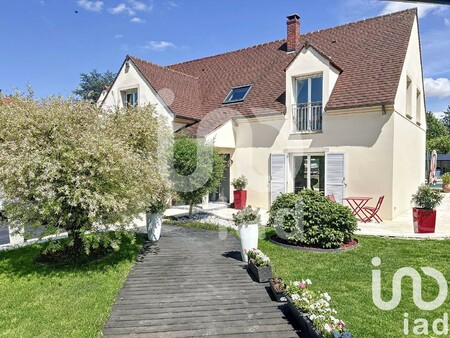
x=237, y=94
x=307, y=111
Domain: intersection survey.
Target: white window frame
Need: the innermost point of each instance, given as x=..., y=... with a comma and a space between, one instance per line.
x=129, y=90
x=309, y=103
x=234, y=88
x=308, y=173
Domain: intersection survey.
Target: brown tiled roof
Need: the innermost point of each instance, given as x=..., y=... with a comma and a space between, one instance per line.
x=186, y=98
x=369, y=53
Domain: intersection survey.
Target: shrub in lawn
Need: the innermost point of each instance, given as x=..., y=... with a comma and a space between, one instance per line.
x=69, y=165
x=309, y=218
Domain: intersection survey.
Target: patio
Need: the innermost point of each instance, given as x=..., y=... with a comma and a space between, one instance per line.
x=400, y=227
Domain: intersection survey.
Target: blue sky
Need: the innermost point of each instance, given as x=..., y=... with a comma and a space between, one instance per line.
x=46, y=44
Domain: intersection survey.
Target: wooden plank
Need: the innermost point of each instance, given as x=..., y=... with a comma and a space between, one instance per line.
x=186, y=285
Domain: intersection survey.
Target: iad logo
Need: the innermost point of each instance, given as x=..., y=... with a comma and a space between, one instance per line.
x=421, y=325
x=417, y=287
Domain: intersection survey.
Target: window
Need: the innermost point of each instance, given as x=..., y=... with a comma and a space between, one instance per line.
x=418, y=107
x=130, y=97
x=307, y=111
x=309, y=173
x=237, y=94
x=408, y=98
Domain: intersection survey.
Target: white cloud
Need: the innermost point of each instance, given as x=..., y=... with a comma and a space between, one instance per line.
x=171, y=5
x=158, y=45
x=423, y=9
x=447, y=22
x=92, y=6
x=118, y=36
x=437, y=87
x=137, y=20
x=120, y=8
x=131, y=7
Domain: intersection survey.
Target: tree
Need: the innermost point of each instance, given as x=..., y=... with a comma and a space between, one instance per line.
x=92, y=84
x=446, y=118
x=69, y=165
x=435, y=127
x=441, y=144
x=197, y=168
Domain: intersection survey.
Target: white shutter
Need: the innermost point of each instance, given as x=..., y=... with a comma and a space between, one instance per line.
x=277, y=175
x=335, y=175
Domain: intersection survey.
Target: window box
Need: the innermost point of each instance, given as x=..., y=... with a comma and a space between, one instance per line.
x=261, y=273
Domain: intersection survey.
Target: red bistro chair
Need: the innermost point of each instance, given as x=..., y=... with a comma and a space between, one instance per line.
x=372, y=212
x=331, y=197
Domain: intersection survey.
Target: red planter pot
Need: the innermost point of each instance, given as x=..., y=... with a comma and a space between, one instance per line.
x=240, y=199
x=424, y=220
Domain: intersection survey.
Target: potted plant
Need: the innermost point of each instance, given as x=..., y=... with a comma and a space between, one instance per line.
x=154, y=214
x=259, y=265
x=446, y=182
x=426, y=200
x=313, y=313
x=239, y=193
x=247, y=221
x=278, y=288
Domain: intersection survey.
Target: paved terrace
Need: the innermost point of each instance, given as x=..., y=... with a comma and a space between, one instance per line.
x=401, y=226
x=191, y=284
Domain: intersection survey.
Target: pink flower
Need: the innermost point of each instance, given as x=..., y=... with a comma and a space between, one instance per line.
x=303, y=286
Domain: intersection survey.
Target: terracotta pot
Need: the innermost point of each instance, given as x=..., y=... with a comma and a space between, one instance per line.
x=424, y=220
x=446, y=187
x=240, y=199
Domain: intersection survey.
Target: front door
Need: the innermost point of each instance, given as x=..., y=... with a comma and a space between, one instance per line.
x=222, y=193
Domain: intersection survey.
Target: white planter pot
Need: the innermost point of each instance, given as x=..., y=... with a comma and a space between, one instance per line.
x=154, y=224
x=248, y=235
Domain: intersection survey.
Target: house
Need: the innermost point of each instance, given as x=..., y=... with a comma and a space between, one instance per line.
x=340, y=110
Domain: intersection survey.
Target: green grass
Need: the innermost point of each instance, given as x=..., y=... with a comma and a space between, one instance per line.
x=68, y=300
x=347, y=277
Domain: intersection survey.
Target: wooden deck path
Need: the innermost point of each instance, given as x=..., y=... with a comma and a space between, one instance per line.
x=191, y=284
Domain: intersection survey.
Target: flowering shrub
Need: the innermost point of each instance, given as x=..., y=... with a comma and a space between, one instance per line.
x=316, y=306
x=239, y=183
x=259, y=259
x=247, y=216
x=69, y=165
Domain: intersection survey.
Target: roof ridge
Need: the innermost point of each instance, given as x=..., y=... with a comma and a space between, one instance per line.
x=363, y=20
x=225, y=53
x=163, y=67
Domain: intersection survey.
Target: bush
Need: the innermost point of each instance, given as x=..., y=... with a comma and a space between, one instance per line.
x=309, y=218
x=446, y=178
x=69, y=165
x=239, y=183
x=427, y=198
x=247, y=216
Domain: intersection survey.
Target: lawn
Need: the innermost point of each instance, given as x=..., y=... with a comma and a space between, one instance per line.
x=347, y=277
x=63, y=301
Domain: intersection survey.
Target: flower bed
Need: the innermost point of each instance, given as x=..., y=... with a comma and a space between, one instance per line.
x=313, y=312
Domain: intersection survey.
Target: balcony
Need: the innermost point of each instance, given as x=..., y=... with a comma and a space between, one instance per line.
x=307, y=117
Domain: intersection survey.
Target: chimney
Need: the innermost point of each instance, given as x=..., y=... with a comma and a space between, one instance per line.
x=293, y=32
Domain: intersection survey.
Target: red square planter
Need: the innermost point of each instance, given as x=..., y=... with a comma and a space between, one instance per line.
x=424, y=220
x=240, y=199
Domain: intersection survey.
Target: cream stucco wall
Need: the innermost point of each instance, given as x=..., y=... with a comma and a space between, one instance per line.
x=409, y=133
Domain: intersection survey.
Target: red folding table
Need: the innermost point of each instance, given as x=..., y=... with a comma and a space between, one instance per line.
x=357, y=204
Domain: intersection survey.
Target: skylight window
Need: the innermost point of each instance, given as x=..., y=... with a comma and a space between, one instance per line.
x=237, y=94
